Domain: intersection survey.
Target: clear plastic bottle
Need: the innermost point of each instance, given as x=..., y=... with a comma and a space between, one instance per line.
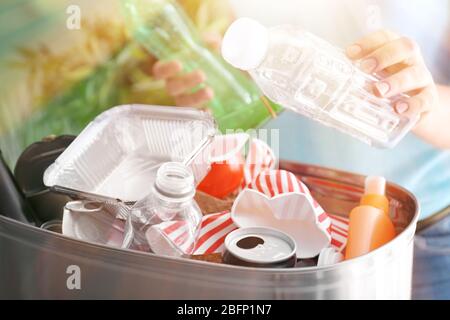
x=310, y=76
x=167, y=221
x=164, y=30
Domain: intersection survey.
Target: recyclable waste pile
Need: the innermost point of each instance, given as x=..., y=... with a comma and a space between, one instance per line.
x=162, y=180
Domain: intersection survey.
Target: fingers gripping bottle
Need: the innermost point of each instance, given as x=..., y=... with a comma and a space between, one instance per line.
x=163, y=28
x=167, y=221
x=309, y=76
x=370, y=225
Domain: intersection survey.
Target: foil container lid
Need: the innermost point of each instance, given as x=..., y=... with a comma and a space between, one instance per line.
x=118, y=154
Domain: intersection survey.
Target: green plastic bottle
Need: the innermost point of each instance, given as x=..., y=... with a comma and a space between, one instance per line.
x=163, y=28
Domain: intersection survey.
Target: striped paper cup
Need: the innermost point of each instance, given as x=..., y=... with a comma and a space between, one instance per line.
x=171, y=237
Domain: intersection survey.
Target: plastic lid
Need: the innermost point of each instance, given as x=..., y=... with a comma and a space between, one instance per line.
x=375, y=185
x=245, y=44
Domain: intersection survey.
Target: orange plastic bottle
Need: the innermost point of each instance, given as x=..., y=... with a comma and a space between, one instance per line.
x=370, y=225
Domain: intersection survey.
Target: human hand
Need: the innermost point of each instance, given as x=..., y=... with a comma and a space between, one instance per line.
x=180, y=85
x=399, y=62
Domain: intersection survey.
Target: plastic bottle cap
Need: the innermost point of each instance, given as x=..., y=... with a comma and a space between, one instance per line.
x=175, y=180
x=375, y=185
x=245, y=44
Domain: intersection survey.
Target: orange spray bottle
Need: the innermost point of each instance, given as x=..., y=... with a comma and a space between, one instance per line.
x=370, y=225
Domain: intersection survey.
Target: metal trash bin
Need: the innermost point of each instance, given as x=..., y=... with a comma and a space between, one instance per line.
x=34, y=262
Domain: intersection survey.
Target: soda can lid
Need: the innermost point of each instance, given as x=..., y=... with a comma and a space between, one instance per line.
x=260, y=245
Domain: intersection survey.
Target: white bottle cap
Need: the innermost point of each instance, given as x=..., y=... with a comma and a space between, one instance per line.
x=175, y=181
x=375, y=185
x=245, y=44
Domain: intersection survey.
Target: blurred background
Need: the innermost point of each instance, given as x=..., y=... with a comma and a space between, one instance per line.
x=41, y=60
x=56, y=77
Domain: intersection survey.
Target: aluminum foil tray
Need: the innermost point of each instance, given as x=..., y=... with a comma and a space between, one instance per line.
x=118, y=153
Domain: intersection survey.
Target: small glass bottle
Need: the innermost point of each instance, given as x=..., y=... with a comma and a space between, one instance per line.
x=167, y=221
